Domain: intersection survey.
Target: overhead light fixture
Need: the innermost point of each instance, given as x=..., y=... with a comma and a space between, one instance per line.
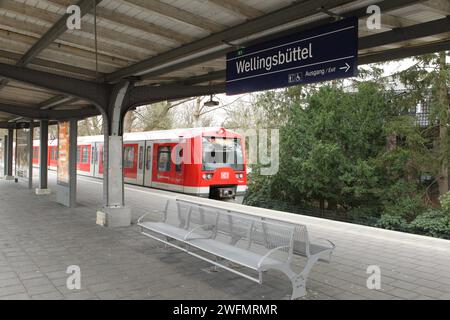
x=211, y=102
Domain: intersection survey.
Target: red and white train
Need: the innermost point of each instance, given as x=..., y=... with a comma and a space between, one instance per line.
x=206, y=162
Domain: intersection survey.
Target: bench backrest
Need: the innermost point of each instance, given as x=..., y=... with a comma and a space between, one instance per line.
x=242, y=230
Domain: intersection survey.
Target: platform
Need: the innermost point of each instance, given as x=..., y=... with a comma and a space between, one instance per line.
x=39, y=239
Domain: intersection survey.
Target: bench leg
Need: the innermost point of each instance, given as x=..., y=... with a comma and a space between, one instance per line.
x=298, y=280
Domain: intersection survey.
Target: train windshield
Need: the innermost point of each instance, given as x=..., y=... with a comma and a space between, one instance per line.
x=221, y=152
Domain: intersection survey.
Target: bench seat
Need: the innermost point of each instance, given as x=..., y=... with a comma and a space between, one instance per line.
x=234, y=254
x=166, y=230
x=229, y=252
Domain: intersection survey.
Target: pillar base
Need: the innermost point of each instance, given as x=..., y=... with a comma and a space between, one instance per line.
x=114, y=217
x=9, y=178
x=43, y=192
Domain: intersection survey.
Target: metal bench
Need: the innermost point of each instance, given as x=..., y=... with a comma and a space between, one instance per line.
x=257, y=243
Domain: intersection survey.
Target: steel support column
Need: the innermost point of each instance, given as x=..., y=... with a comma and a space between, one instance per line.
x=9, y=158
x=114, y=213
x=43, y=159
x=73, y=162
x=5, y=155
x=30, y=155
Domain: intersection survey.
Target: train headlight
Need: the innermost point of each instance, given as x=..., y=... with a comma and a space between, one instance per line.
x=207, y=176
x=239, y=175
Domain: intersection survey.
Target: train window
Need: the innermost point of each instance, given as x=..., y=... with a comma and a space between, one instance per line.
x=149, y=158
x=141, y=157
x=93, y=151
x=179, y=163
x=128, y=158
x=164, y=159
x=221, y=152
x=85, y=155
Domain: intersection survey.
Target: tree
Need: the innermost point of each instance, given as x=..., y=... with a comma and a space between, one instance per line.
x=427, y=82
x=334, y=151
x=152, y=117
x=90, y=126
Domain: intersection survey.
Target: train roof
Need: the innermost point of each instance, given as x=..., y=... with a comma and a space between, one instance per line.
x=173, y=134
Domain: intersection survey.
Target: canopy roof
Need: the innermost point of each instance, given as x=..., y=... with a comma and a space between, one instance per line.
x=184, y=42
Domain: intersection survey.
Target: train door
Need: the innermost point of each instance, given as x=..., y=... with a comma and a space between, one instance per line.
x=166, y=174
x=84, y=155
x=133, y=162
x=93, y=158
x=178, y=174
x=141, y=163
x=98, y=170
x=148, y=163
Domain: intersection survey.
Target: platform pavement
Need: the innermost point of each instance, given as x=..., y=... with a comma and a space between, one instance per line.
x=39, y=239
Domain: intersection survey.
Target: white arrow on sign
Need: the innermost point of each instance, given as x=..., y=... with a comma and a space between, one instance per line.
x=347, y=67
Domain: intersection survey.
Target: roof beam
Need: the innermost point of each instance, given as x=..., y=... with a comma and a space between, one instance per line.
x=21, y=125
x=55, y=102
x=51, y=64
x=416, y=31
x=211, y=76
x=35, y=113
x=403, y=52
x=239, y=8
x=7, y=125
x=53, y=33
x=271, y=20
x=177, y=14
x=142, y=95
x=95, y=93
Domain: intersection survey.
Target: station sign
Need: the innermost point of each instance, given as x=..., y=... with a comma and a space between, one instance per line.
x=325, y=53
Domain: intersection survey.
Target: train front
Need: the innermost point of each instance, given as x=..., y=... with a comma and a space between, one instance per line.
x=223, y=165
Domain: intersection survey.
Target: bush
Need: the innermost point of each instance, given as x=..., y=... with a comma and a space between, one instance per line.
x=393, y=222
x=434, y=223
x=408, y=208
x=363, y=215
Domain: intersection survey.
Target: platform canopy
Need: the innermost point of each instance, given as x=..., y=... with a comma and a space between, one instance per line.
x=172, y=49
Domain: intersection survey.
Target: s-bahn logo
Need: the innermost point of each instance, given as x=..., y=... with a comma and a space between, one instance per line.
x=225, y=175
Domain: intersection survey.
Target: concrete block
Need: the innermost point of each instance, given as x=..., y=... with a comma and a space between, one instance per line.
x=114, y=217
x=9, y=178
x=43, y=192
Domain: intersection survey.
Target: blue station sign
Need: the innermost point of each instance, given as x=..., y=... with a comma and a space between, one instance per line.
x=325, y=53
